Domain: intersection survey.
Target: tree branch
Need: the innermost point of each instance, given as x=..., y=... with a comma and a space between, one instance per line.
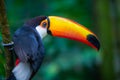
x=6, y=37
x=104, y=22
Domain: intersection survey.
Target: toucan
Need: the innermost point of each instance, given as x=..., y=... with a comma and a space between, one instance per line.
x=28, y=44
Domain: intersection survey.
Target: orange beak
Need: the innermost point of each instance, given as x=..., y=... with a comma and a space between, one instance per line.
x=62, y=27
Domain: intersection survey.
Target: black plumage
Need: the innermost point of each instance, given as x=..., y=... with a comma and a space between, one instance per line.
x=28, y=44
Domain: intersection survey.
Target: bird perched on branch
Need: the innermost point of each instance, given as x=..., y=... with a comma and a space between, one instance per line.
x=28, y=42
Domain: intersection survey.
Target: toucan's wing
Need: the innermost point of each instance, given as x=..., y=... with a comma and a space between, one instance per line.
x=28, y=46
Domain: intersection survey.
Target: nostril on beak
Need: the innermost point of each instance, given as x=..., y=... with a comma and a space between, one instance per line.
x=93, y=40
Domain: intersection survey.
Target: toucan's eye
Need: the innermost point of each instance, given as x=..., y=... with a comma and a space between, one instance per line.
x=44, y=24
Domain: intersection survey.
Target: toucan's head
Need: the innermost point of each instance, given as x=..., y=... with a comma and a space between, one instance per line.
x=62, y=27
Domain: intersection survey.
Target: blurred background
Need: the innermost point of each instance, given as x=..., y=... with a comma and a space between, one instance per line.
x=66, y=59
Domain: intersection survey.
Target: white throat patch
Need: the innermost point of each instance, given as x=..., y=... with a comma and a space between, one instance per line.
x=42, y=31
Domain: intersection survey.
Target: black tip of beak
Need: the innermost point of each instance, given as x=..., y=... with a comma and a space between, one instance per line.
x=93, y=40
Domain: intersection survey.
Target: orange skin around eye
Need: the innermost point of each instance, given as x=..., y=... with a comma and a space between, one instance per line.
x=42, y=23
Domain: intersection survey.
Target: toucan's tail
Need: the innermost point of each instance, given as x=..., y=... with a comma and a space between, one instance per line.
x=12, y=77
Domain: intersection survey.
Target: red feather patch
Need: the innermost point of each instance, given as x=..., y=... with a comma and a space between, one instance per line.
x=17, y=62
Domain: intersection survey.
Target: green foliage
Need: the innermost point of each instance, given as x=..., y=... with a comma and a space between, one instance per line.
x=71, y=65
x=65, y=59
x=2, y=61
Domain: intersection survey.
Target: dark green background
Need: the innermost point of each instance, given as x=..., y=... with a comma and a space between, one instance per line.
x=67, y=59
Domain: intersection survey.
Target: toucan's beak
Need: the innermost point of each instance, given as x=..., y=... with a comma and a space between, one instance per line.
x=62, y=27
